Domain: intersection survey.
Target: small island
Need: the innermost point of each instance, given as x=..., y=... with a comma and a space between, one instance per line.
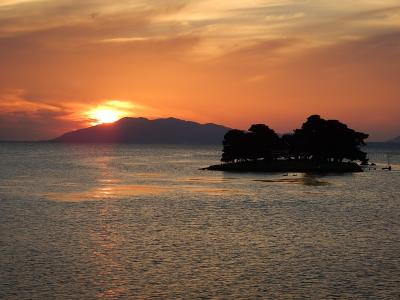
x=323, y=146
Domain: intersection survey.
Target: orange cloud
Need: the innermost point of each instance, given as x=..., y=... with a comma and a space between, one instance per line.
x=229, y=62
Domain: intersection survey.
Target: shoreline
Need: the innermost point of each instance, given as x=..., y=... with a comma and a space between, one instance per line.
x=299, y=166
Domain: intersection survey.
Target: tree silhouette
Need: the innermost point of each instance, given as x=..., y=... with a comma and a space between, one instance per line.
x=263, y=142
x=294, y=146
x=260, y=142
x=235, y=146
x=317, y=139
x=321, y=139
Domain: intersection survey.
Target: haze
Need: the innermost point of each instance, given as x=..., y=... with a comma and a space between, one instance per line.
x=229, y=62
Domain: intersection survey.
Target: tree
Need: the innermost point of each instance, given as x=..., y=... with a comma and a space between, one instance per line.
x=321, y=139
x=293, y=145
x=263, y=142
x=234, y=146
x=317, y=139
x=259, y=142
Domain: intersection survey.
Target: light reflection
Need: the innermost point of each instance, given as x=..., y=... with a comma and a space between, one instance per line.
x=302, y=179
x=107, y=184
x=114, y=192
x=108, y=244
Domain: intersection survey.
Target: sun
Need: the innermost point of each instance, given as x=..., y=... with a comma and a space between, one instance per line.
x=105, y=115
x=109, y=111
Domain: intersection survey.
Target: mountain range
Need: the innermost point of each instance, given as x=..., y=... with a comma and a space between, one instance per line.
x=395, y=140
x=145, y=131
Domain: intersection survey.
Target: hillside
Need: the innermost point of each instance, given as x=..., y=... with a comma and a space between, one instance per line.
x=395, y=140
x=145, y=131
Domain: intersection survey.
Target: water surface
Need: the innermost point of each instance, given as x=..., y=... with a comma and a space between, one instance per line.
x=129, y=221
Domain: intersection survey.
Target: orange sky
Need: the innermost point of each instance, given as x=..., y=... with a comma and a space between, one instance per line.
x=233, y=62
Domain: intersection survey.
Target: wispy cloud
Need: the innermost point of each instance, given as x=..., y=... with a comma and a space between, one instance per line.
x=214, y=60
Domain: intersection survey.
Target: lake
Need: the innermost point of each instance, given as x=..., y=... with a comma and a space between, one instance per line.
x=142, y=221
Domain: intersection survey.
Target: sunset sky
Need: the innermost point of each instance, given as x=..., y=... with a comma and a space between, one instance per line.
x=228, y=62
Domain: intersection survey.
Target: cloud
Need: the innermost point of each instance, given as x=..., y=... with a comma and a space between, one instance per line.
x=232, y=62
x=24, y=119
x=354, y=79
x=38, y=125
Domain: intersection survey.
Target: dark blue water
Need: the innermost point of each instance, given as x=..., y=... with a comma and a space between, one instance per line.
x=126, y=221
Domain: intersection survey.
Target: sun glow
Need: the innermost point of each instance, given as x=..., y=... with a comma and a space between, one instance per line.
x=105, y=116
x=110, y=111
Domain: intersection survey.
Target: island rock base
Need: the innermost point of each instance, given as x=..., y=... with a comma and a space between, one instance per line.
x=300, y=166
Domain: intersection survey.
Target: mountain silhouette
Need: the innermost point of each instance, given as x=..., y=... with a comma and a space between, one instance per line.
x=395, y=140
x=145, y=131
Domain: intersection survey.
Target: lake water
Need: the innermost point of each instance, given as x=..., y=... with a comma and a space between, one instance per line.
x=128, y=222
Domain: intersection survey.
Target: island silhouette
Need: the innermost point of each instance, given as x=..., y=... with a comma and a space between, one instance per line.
x=318, y=146
x=144, y=131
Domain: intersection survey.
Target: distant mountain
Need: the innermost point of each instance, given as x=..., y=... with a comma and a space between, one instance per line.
x=390, y=144
x=145, y=131
x=395, y=140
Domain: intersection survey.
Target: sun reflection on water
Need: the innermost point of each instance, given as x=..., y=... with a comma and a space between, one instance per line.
x=111, y=192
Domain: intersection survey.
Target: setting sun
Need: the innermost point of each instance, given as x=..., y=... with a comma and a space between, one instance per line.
x=105, y=116
x=111, y=111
